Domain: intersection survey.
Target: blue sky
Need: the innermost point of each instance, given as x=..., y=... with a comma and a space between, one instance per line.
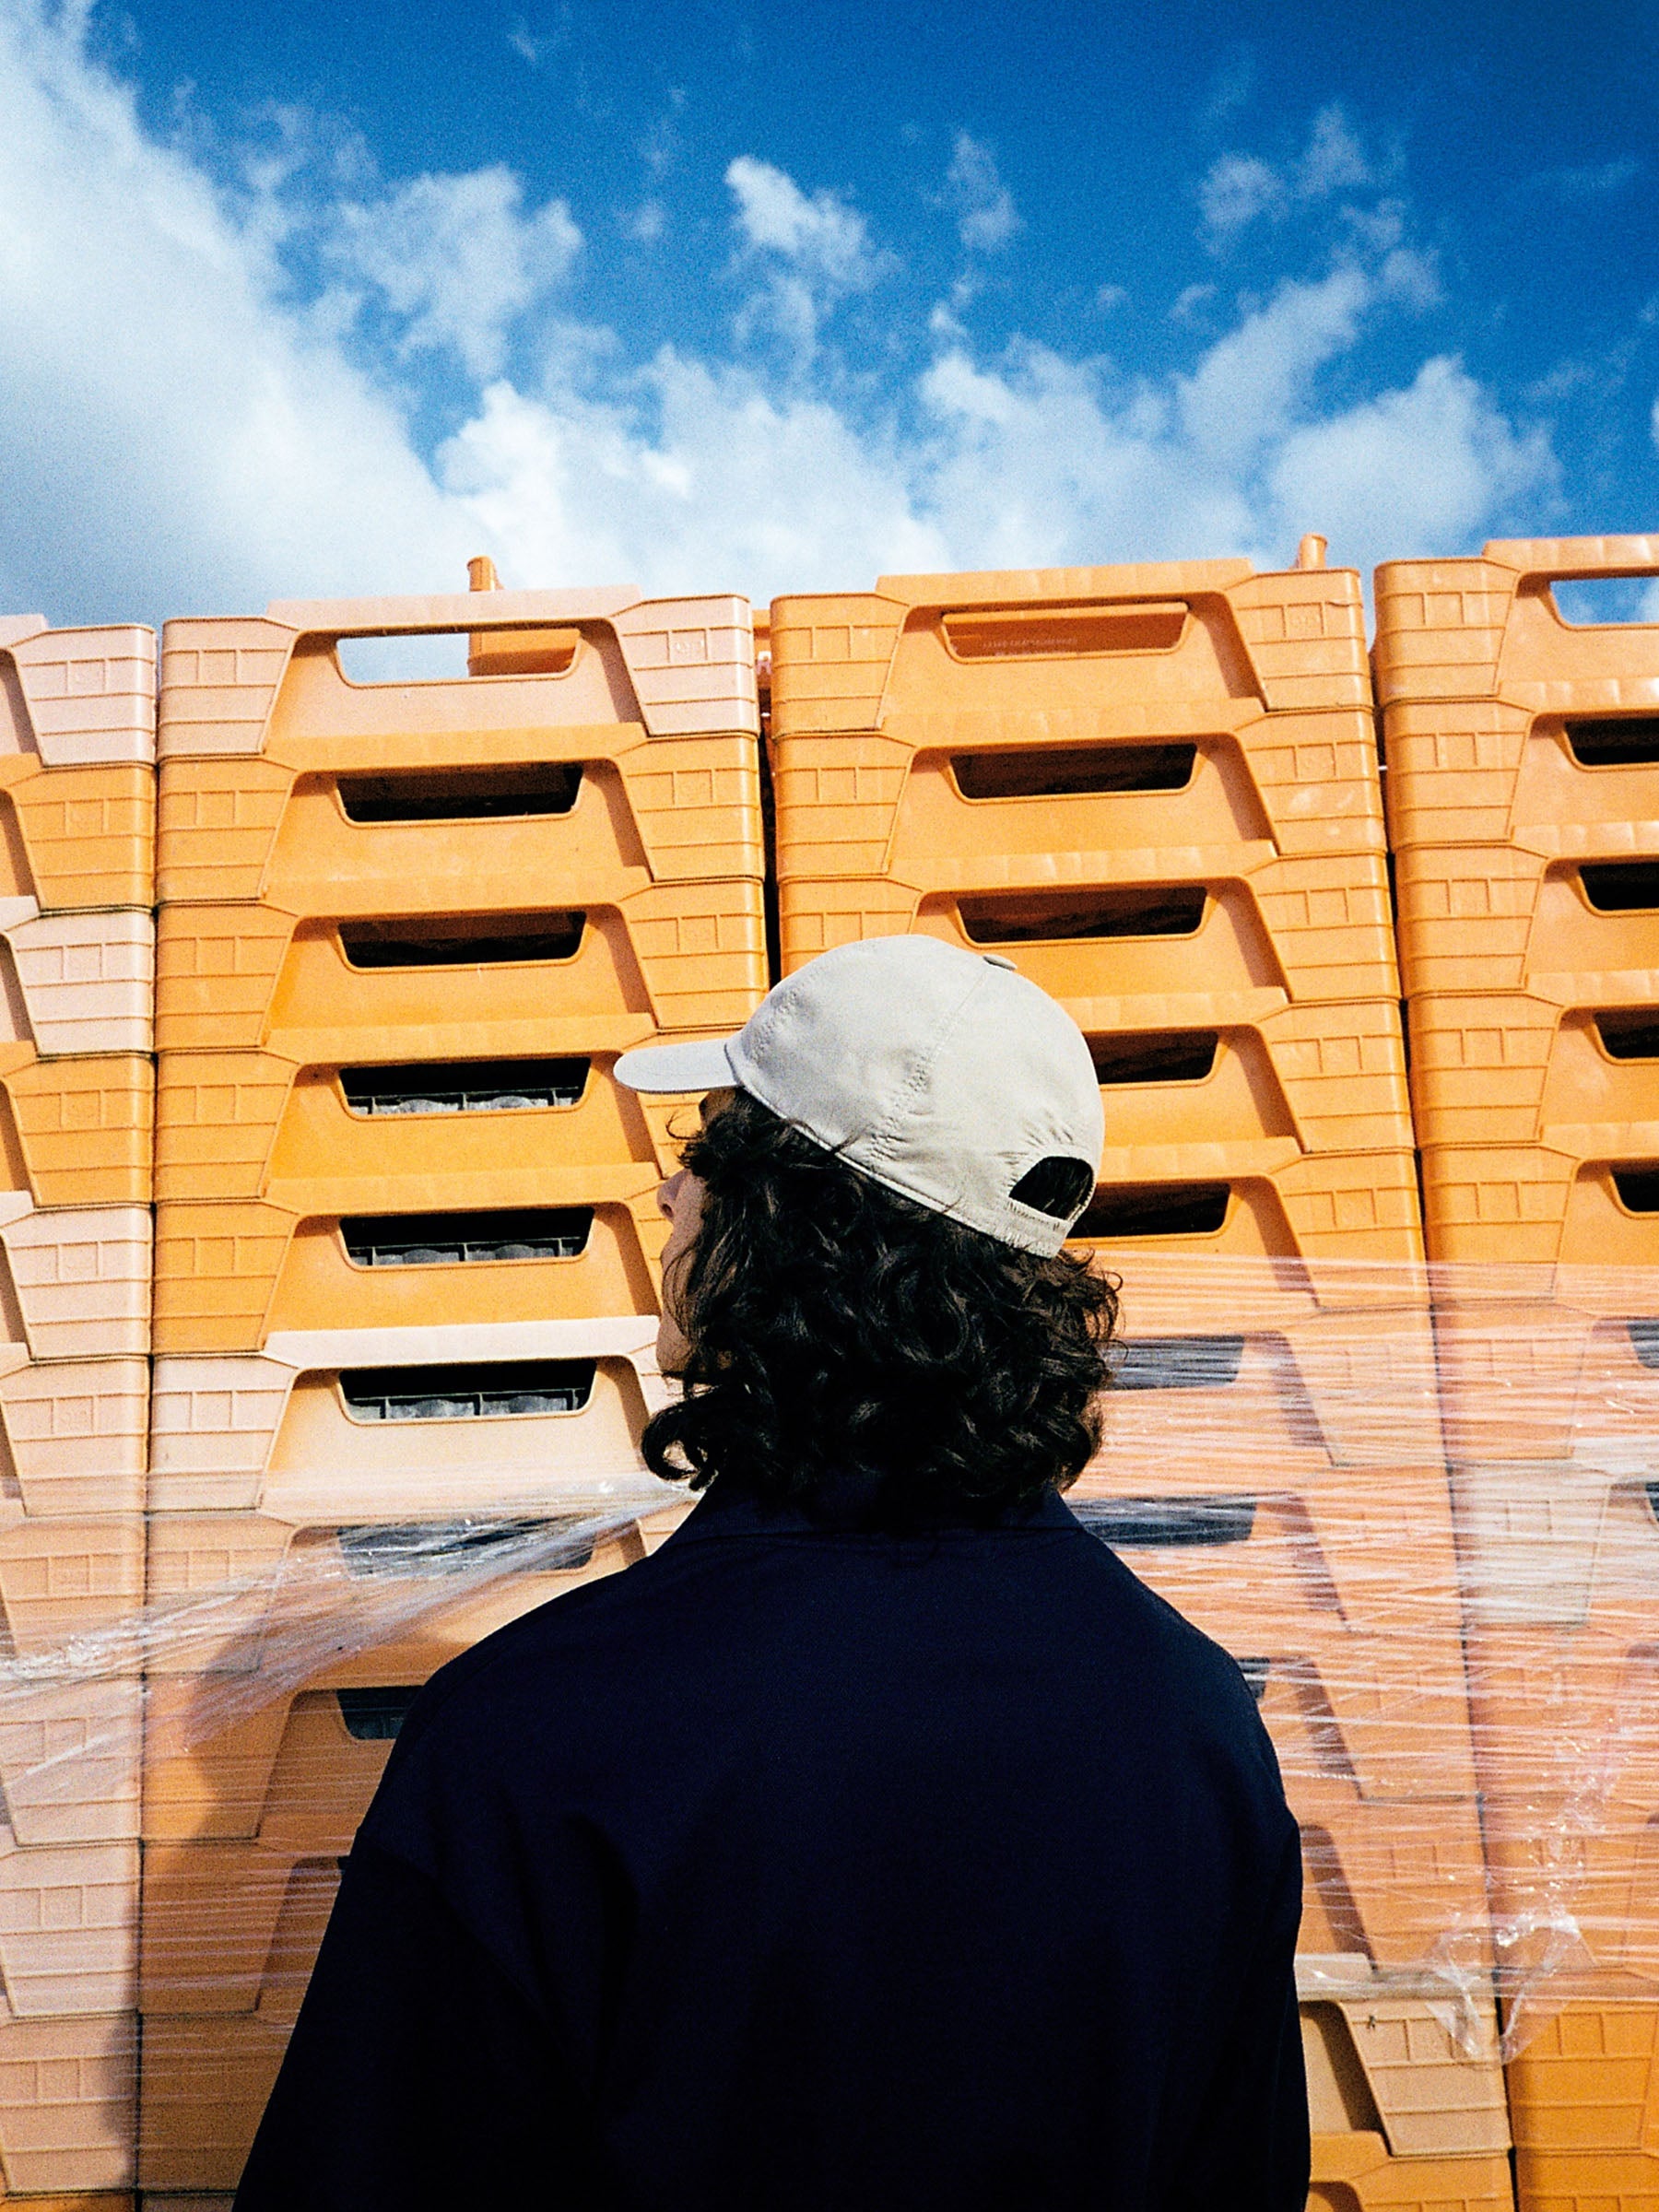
x=323, y=299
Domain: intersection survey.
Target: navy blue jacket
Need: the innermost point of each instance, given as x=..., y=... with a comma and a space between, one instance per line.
x=802, y=1868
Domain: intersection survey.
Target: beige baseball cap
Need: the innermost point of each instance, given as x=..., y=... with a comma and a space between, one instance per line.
x=941, y=1074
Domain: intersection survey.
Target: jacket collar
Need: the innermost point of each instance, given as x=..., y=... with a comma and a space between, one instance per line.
x=842, y=1507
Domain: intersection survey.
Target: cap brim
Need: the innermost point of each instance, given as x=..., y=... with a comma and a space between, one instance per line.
x=701, y=1065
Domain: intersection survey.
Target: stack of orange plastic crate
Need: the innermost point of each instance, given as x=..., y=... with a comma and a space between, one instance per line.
x=1155, y=790
x=1523, y=800
x=76, y=1101
x=406, y=1280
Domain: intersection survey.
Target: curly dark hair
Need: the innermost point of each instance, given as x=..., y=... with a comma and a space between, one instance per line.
x=836, y=1330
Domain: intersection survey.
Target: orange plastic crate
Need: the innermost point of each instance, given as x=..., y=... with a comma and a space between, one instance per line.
x=206, y=2082
x=250, y=686
x=70, y=1946
x=1316, y=1212
x=69, y=1750
x=72, y=984
x=67, y=2110
x=1160, y=939
x=1124, y=646
x=569, y=1246
x=73, y=1434
x=1354, y=2173
x=77, y=1132
x=413, y=984
x=321, y=823
x=1400, y=2113
x=1585, y=2181
x=248, y=1124
x=69, y=1770
x=545, y=1417
x=77, y=751
x=74, y=1282
x=240, y=1595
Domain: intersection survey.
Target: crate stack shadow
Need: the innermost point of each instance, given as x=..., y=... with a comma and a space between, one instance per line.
x=1523, y=800
x=78, y=712
x=405, y=1265
x=1155, y=790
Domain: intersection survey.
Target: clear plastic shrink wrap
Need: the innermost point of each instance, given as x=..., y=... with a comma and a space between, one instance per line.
x=1459, y=1669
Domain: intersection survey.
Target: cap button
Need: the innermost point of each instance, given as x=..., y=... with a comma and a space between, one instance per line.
x=998, y=960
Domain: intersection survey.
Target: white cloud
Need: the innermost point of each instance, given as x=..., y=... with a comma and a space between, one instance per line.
x=1240, y=189
x=455, y=258
x=1187, y=303
x=820, y=235
x=191, y=429
x=689, y=478
x=985, y=211
x=1410, y=472
x=1333, y=160
x=1237, y=189
x=812, y=253
x=1251, y=385
x=647, y=222
x=1595, y=181
x=175, y=435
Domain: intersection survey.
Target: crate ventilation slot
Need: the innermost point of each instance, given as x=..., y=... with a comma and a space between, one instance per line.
x=461, y=1547
x=1178, y=1056
x=1255, y=1673
x=462, y=796
x=1021, y=633
x=1165, y=1523
x=462, y=941
x=491, y=1389
x=1627, y=741
x=1644, y=1341
x=1177, y=1363
x=1620, y=886
x=1163, y=913
x=464, y=1087
x=1190, y=1210
x=448, y=1239
x=1081, y=771
x=1638, y=1189
x=374, y=1717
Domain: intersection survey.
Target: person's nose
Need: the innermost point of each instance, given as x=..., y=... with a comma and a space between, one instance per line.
x=668, y=1194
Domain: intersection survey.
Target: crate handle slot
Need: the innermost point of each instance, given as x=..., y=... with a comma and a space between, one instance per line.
x=1615, y=740
x=466, y=1239
x=1177, y=1363
x=1174, y=1056
x=1166, y=911
x=374, y=1717
x=1019, y=633
x=459, y=1546
x=465, y=795
x=1638, y=1189
x=462, y=941
x=1159, y=1523
x=1196, y=1209
x=1620, y=886
x=465, y=1086
x=1073, y=771
x=491, y=1389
